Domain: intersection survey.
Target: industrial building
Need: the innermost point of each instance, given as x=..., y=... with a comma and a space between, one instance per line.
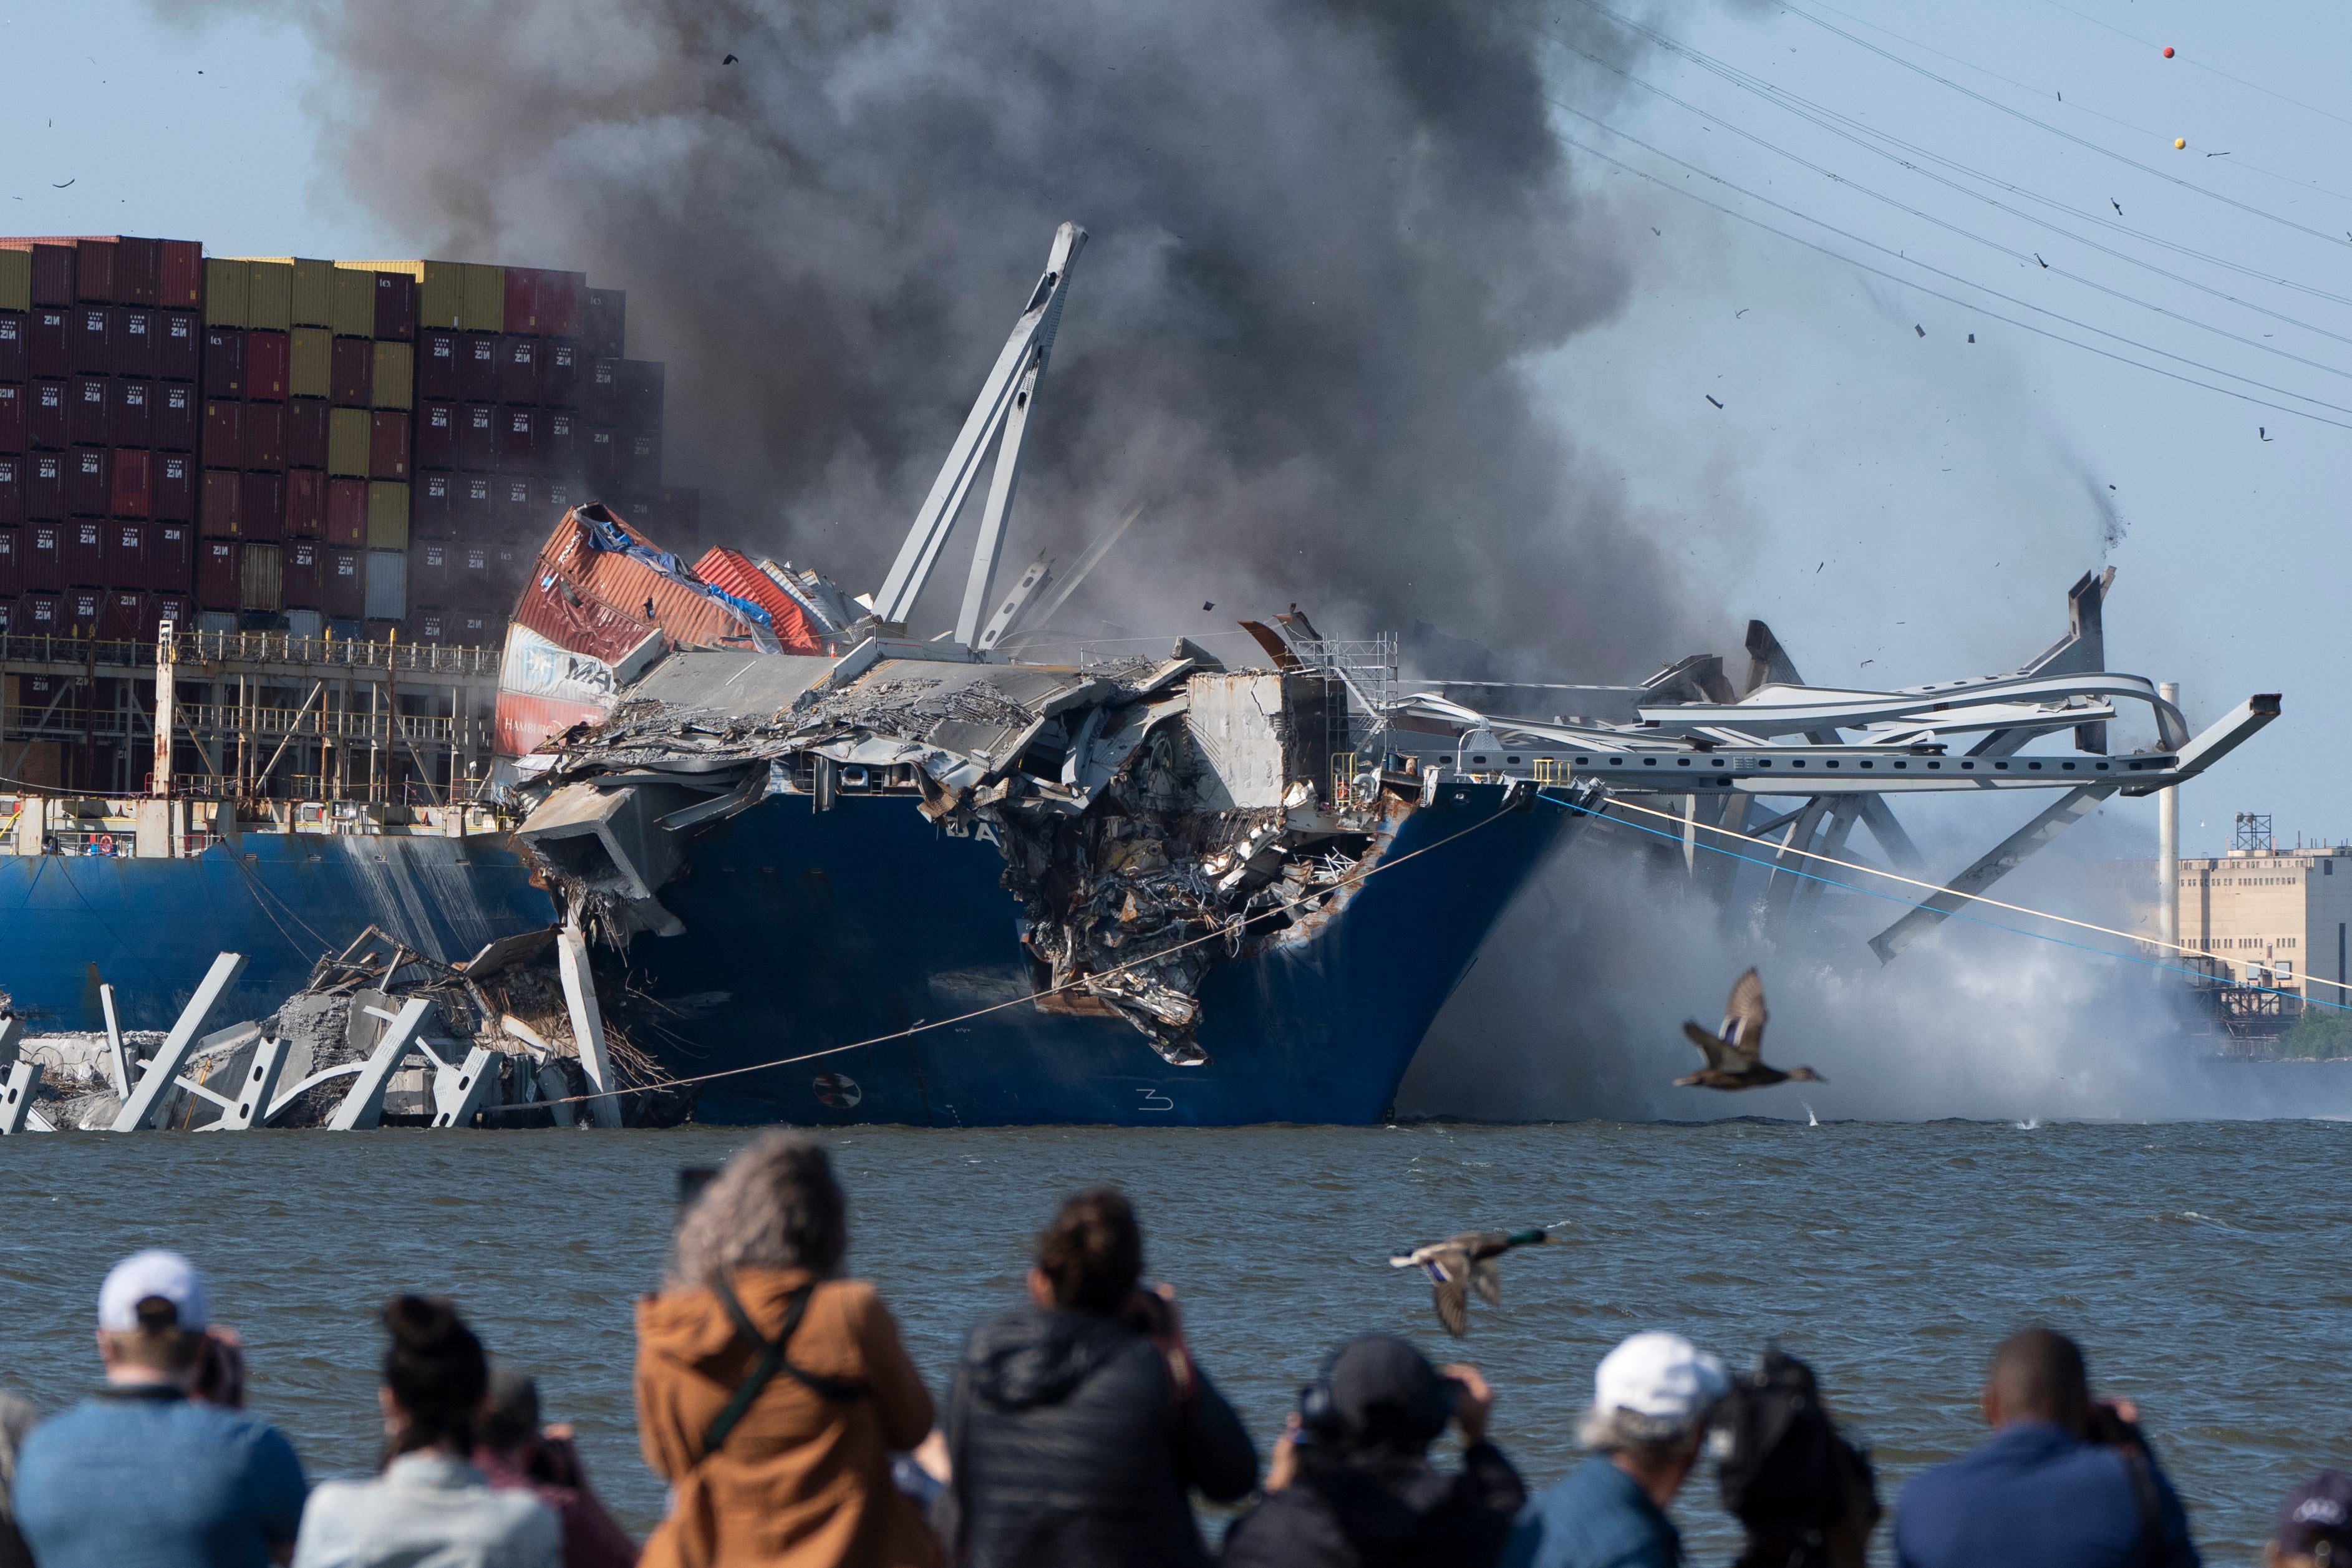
x=2270, y=916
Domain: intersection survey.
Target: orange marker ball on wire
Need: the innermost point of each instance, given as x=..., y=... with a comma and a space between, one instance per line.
x=2178, y=142
x=2167, y=51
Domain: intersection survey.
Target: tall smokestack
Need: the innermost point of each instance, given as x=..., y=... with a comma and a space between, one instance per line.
x=2168, y=847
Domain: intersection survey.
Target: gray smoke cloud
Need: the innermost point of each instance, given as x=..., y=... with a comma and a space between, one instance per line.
x=1326, y=239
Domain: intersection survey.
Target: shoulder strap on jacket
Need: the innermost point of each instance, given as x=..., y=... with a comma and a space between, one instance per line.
x=770, y=1362
x=2144, y=1499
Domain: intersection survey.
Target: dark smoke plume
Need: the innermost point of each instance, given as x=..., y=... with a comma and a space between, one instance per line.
x=1327, y=238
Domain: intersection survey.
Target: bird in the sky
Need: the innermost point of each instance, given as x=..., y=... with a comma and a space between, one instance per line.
x=1734, y=1055
x=2117, y=205
x=1463, y=1263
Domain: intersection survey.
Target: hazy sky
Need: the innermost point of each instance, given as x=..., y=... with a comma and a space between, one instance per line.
x=1918, y=502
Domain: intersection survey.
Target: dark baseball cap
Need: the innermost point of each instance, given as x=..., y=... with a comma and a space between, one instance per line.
x=1381, y=1373
x=2316, y=1515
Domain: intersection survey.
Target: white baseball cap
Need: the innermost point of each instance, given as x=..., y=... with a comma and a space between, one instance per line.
x=154, y=1272
x=1662, y=1376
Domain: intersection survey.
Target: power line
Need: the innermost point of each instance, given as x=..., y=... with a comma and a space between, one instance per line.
x=2042, y=124
x=1938, y=294
x=2200, y=65
x=2017, y=256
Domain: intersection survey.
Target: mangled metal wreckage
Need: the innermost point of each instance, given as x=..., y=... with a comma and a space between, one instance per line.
x=878, y=878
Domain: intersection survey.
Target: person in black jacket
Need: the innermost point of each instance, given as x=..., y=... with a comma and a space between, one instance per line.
x=1078, y=1423
x=1352, y=1486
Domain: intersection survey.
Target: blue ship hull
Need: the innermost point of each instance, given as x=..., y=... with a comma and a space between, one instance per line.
x=152, y=927
x=828, y=930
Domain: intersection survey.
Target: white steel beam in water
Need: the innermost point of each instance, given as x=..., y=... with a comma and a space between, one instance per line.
x=24, y=1081
x=1999, y=861
x=250, y=1106
x=146, y=1101
x=363, y=1107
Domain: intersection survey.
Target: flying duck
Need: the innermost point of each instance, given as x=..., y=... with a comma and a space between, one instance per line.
x=1734, y=1056
x=1463, y=1263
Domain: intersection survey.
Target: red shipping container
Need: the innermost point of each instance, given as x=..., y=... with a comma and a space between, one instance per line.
x=559, y=443
x=179, y=346
x=604, y=457
x=387, y=445
x=174, y=483
x=261, y=507
x=477, y=629
x=171, y=555
x=133, y=484
x=429, y=569
x=131, y=421
x=679, y=610
x=477, y=437
x=640, y=461
x=477, y=367
x=732, y=571
x=265, y=365
x=430, y=513
x=218, y=511
x=7, y=615
x=44, y=547
x=81, y=608
x=125, y=548
x=306, y=433
x=45, y=486
x=53, y=275
x=216, y=573
x=265, y=436
x=138, y=270
x=436, y=436
x=39, y=615
x=45, y=421
x=347, y=513
x=16, y=361
x=518, y=370
x=473, y=512
x=87, y=411
x=426, y=625
x=89, y=482
x=558, y=374
x=82, y=553
x=518, y=441
x=12, y=571
x=90, y=344
x=12, y=491
x=94, y=272
x=181, y=273
x=134, y=332
x=306, y=504
x=602, y=401
x=561, y=498
x=176, y=607
x=470, y=579
x=346, y=586
x=604, y=316
x=395, y=306
x=224, y=446
x=437, y=365
x=303, y=574
x=520, y=723
x=46, y=335
x=555, y=608
x=223, y=362
x=172, y=415
x=561, y=297
x=13, y=401
x=523, y=299
x=351, y=377
x=521, y=506
x=123, y=614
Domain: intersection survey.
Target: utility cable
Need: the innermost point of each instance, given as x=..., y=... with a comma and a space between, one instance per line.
x=1948, y=299
x=2200, y=65
x=2017, y=256
x=2065, y=135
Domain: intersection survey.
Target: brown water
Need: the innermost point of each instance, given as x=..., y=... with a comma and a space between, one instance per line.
x=2197, y=1263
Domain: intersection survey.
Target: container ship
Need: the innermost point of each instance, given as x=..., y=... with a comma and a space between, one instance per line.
x=833, y=870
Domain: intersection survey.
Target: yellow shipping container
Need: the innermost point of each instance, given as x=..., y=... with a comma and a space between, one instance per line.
x=440, y=289
x=224, y=293
x=395, y=375
x=347, y=442
x=16, y=280
x=310, y=302
x=311, y=370
x=485, y=299
x=387, y=515
x=354, y=304
x=269, y=295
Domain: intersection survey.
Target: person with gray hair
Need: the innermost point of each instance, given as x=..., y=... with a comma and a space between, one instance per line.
x=771, y=1391
x=1651, y=1399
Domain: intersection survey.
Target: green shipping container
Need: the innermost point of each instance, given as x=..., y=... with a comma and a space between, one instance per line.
x=314, y=293
x=347, y=442
x=395, y=375
x=268, y=295
x=311, y=372
x=441, y=294
x=354, y=304
x=485, y=299
x=224, y=293
x=16, y=280
x=387, y=515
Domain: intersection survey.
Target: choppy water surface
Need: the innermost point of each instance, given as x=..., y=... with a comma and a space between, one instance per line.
x=2199, y=1263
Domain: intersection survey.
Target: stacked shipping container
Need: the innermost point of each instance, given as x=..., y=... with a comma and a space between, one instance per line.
x=278, y=441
